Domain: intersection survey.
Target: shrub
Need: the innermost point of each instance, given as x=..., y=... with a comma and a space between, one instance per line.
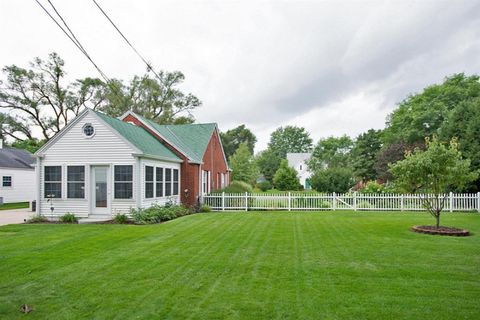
x=68, y=218
x=286, y=177
x=332, y=180
x=120, y=219
x=372, y=187
x=237, y=187
x=37, y=218
x=205, y=208
x=264, y=185
x=157, y=213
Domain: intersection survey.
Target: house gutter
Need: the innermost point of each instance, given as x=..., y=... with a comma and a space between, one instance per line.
x=149, y=156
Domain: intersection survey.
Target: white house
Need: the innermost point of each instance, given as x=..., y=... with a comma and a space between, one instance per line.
x=298, y=161
x=98, y=166
x=17, y=175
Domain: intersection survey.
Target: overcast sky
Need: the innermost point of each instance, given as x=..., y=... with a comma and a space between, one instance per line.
x=333, y=67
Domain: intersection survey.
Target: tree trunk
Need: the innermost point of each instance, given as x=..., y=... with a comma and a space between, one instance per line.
x=437, y=220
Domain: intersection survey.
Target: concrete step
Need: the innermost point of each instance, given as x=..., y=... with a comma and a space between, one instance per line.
x=95, y=219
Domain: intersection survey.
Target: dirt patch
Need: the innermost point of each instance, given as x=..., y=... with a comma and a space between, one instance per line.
x=443, y=231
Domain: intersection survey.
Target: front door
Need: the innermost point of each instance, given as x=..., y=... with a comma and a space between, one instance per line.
x=100, y=190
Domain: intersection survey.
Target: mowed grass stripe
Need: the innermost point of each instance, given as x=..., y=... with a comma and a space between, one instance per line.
x=263, y=265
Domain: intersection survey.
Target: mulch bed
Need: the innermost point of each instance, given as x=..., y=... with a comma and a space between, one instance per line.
x=443, y=231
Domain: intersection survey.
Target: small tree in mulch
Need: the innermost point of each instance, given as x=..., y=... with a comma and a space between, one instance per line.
x=433, y=173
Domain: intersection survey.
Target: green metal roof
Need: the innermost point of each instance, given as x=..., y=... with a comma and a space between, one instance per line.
x=190, y=139
x=140, y=138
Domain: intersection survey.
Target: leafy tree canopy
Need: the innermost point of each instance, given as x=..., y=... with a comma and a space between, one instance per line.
x=39, y=97
x=231, y=140
x=332, y=179
x=437, y=170
x=242, y=164
x=390, y=154
x=364, y=154
x=289, y=139
x=331, y=152
x=268, y=162
x=422, y=115
x=286, y=178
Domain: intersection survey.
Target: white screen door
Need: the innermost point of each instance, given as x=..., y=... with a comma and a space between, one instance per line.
x=100, y=189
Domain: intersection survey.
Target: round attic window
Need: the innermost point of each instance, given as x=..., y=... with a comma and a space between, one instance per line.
x=88, y=130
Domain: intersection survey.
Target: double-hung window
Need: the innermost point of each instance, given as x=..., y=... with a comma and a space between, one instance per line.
x=53, y=181
x=175, y=182
x=159, y=182
x=149, y=181
x=123, y=175
x=6, y=181
x=168, y=182
x=75, y=182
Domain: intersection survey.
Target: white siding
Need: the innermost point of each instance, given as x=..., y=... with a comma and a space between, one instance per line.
x=145, y=203
x=106, y=147
x=23, y=185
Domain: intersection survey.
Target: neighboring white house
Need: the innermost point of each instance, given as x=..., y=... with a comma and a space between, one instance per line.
x=298, y=161
x=17, y=175
x=98, y=166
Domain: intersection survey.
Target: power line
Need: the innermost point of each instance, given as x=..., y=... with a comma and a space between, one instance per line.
x=149, y=66
x=72, y=37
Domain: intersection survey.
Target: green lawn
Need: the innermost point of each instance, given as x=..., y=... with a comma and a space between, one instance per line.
x=269, y=265
x=14, y=205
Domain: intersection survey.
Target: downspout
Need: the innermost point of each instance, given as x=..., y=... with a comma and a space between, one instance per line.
x=38, y=175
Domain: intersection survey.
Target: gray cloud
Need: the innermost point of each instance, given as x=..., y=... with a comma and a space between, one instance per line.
x=334, y=67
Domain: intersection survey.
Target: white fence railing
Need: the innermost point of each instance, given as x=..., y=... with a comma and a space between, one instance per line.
x=342, y=201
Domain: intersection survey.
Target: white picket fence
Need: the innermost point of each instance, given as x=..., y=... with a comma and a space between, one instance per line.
x=342, y=201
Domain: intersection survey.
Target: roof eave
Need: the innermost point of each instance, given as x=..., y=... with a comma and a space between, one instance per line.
x=151, y=156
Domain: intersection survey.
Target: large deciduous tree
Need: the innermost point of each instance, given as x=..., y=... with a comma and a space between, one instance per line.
x=364, y=154
x=391, y=153
x=231, y=140
x=422, y=115
x=268, y=162
x=433, y=172
x=282, y=141
x=290, y=139
x=40, y=97
x=331, y=152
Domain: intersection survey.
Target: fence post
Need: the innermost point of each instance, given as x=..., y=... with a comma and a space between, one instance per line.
x=334, y=201
x=246, y=201
x=289, y=201
x=478, y=201
x=355, y=201
x=402, y=197
x=223, y=201
x=451, y=201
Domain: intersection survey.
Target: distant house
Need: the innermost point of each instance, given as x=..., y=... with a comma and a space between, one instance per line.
x=298, y=161
x=98, y=166
x=17, y=174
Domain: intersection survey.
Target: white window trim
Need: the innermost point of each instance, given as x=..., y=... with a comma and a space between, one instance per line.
x=132, y=182
x=62, y=185
x=154, y=182
x=84, y=182
x=11, y=182
x=83, y=131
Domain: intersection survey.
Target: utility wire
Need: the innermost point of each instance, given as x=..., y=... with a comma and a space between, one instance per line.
x=149, y=66
x=72, y=37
